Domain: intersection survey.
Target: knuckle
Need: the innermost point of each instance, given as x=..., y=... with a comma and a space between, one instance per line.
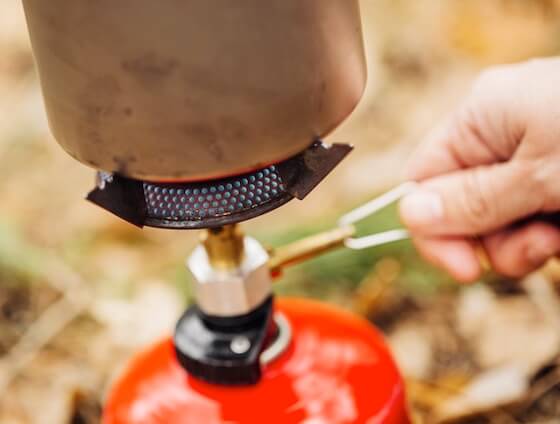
x=537, y=64
x=478, y=204
x=541, y=173
x=488, y=78
x=498, y=79
x=469, y=125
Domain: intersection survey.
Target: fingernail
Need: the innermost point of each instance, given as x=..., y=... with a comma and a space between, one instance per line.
x=422, y=207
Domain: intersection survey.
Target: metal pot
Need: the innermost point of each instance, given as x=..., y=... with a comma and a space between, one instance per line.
x=182, y=90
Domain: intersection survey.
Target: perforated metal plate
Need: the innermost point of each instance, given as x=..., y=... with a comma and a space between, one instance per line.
x=185, y=205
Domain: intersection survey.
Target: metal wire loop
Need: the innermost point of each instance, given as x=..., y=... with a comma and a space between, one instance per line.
x=371, y=208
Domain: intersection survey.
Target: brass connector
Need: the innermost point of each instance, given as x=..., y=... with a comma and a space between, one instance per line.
x=308, y=248
x=224, y=246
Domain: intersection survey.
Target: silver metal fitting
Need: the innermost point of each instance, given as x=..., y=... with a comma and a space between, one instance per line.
x=235, y=291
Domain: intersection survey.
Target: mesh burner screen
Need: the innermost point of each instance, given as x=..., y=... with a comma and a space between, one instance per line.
x=213, y=199
x=214, y=203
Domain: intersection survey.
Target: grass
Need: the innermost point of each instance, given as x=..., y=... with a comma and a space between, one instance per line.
x=19, y=260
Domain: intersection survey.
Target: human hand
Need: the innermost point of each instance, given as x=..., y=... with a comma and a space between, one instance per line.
x=494, y=162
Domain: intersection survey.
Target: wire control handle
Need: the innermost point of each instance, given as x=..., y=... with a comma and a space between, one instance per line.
x=344, y=235
x=370, y=208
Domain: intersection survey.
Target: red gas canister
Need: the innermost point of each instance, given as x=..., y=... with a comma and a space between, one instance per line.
x=336, y=370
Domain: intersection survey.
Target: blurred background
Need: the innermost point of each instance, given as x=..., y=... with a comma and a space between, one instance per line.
x=81, y=291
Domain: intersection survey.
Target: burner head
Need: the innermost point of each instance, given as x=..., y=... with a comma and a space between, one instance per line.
x=214, y=203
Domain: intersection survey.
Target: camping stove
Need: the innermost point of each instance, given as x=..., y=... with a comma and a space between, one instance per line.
x=203, y=114
x=241, y=356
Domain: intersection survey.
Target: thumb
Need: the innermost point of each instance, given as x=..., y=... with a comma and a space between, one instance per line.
x=473, y=201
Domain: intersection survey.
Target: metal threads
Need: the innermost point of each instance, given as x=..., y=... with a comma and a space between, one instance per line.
x=200, y=201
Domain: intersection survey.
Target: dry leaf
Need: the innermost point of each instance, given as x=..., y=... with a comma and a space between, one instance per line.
x=412, y=348
x=510, y=331
x=494, y=388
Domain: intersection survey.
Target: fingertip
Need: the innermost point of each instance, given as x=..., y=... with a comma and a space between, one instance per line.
x=515, y=253
x=457, y=256
x=468, y=274
x=421, y=166
x=462, y=263
x=433, y=157
x=414, y=170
